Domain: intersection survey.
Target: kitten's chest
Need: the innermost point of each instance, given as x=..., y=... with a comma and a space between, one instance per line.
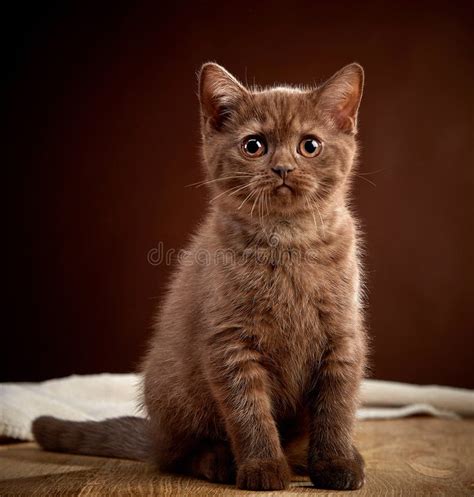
x=282, y=299
x=285, y=318
x=285, y=294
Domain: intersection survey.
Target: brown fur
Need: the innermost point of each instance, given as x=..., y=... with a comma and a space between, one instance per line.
x=259, y=346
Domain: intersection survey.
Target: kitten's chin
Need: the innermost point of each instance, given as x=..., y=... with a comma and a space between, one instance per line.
x=286, y=198
x=284, y=191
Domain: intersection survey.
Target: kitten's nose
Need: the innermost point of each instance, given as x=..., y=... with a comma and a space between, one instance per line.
x=282, y=171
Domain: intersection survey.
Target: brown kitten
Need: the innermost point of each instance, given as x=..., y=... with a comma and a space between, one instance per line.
x=259, y=346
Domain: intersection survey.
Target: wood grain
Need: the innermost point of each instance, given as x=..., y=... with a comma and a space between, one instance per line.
x=411, y=457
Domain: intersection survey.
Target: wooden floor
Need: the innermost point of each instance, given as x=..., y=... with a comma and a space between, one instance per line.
x=411, y=457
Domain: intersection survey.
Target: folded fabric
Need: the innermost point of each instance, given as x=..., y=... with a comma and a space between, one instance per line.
x=103, y=396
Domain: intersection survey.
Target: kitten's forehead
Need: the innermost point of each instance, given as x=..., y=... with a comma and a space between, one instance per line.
x=281, y=110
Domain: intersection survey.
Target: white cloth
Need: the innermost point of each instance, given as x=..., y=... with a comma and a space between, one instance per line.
x=103, y=396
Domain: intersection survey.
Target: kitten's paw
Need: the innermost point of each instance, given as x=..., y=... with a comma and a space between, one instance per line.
x=263, y=474
x=215, y=464
x=338, y=473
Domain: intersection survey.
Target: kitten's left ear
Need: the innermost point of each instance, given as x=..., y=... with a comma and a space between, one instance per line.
x=219, y=93
x=340, y=97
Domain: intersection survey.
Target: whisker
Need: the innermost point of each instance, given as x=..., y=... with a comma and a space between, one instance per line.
x=323, y=228
x=234, y=190
x=246, y=198
x=254, y=203
x=369, y=173
x=312, y=212
x=206, y=182
x=245, y=186
x=316, y=197
x=260, y=210
x=366, y=179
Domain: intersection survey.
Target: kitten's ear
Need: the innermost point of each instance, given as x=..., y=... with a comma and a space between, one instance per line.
x=340, y=97
x=219, y=93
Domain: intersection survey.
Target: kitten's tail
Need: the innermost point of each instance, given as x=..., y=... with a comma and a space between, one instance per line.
x=126, y=437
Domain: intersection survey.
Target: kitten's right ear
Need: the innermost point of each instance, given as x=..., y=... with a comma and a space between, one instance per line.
x=219, y=93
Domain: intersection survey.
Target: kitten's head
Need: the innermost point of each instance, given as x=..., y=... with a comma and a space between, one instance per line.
x=278, y=150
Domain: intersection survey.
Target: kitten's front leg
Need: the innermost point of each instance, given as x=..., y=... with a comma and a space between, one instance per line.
x=239, y=383
x=333, y=461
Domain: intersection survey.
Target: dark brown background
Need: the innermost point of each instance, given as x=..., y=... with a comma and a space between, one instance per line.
x=102, y=120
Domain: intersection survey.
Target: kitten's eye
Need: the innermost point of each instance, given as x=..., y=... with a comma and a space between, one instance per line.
x=310, y=146
x=254, y=146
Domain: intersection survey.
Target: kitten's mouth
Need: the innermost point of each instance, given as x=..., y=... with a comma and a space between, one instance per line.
x=284, y=189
